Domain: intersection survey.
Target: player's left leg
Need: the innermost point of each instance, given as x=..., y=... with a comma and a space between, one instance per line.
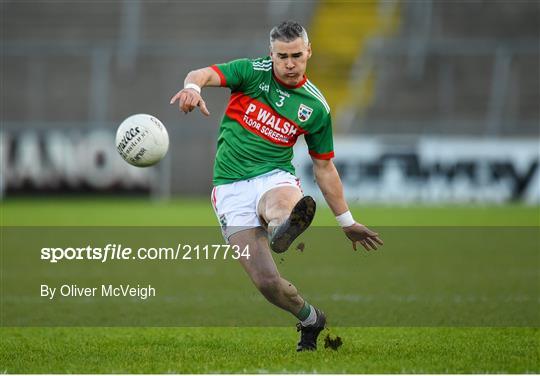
x=288, y=213
x=262, y=270
x=276, y=205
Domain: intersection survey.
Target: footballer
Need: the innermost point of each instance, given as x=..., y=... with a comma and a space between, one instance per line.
x=256, y=196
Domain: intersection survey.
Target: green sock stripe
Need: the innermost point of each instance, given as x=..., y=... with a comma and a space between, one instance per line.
x=304, y=312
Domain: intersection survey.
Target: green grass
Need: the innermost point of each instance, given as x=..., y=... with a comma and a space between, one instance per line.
x=261, y=350
x=271, y=349
x=198, y=212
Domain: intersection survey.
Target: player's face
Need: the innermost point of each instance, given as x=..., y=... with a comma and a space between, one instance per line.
x=290, y=60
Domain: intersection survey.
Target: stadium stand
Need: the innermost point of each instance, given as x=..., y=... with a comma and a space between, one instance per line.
x=387, y=67
x=338, y=33
x=454, y=68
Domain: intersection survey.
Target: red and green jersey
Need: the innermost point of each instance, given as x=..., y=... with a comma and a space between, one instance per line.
x=263, y=120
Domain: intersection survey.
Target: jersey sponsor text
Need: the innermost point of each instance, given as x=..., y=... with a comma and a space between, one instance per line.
x=262, y=120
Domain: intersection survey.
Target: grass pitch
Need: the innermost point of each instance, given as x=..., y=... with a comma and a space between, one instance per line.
x=262, y=349
x=198, y=212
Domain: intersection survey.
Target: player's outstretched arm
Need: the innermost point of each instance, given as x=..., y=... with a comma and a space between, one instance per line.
x=332, y=189
x=190, y=96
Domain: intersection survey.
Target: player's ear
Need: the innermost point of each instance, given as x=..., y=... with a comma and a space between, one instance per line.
x=309, y=50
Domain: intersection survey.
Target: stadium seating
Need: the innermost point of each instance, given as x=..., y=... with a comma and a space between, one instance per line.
x=438, y=77
x=338, y=33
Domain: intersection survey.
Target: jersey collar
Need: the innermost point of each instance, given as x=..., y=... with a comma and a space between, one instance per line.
x=300, y=84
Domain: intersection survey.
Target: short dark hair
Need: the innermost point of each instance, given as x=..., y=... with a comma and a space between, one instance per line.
x=287, y=31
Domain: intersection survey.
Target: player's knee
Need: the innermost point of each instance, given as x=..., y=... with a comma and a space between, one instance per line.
x=281, y=208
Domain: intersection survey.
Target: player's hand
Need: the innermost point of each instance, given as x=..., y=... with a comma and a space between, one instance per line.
x=359, y=233
x=188, y=99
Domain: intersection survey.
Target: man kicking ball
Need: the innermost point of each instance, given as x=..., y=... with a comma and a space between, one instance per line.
x=256, y=197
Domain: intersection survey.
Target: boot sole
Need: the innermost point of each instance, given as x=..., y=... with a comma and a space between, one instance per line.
x=299, y=220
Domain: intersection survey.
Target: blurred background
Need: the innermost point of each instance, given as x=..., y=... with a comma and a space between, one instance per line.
x=433, y=101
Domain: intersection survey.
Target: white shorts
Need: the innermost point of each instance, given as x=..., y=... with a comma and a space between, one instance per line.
x=236, y=203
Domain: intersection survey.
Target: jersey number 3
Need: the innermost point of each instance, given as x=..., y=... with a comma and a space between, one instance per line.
x=280, y=102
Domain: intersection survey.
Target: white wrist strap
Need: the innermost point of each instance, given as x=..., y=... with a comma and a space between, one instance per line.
x=346, y=219
x=195, y=87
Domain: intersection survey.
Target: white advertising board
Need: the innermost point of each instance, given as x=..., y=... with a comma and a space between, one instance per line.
x=432, y=170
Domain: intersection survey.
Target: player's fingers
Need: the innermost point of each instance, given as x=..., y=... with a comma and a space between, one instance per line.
x=353, y=244
x=193, y=100
x=378, y=240
x=175, y=97
x=188, y=105
x=366, y=245
x=196, y=99
x=182, y=95
x=182, y=101
x=186, y=99
x=371, y=243
x=363, y=242
x=202, y=107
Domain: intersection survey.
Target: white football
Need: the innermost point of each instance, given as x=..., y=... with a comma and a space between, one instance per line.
x=142, y=140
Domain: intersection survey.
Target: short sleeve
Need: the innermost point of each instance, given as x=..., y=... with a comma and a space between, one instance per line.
x=236, y=74
x=320, y=141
